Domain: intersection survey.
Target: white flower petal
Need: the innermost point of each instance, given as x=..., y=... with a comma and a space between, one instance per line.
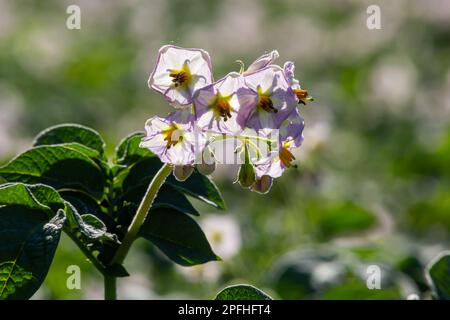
x=263, y=61
x=173, y=58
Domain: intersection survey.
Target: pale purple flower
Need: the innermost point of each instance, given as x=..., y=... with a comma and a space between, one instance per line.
x=217, y=105
x=289, y=69
x=275, y=99
x=179, y=72
x=301, y=94
x=246, y=108
x=292, y=128
x=263, y=184
x=262, y=62
x=278, y=160
x=173, y=142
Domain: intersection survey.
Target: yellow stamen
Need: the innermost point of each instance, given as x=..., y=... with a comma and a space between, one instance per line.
x=286, y=157
x=302, y=95
x=222, y=107
x=181, y=77
x=265, y=102
x=172, y=135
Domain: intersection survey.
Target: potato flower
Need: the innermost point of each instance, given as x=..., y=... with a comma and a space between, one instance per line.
x=275, y=102
x=179, y=72
x=173, y=142
x=231, y=119
x=279, y=160
x=217, y=105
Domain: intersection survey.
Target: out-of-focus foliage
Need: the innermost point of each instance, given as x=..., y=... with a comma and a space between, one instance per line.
x=373, y=181
x=439, y=276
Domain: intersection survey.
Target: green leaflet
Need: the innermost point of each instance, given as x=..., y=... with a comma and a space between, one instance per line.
x=128, y=150
x=36, y=197
x=92, y=229
x=71, y=133
x=242, y=292
x=438, y=274
x=28, y=240
x=200, y=187
x=57, y=166
x=178, y=236
x=168, y=197
x=12, y=278
x=197, y=185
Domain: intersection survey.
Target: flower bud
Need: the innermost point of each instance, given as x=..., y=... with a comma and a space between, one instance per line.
x=206, y=169
x=181, y=173
x=263, y=185
x=208, y=163
x=246, y=175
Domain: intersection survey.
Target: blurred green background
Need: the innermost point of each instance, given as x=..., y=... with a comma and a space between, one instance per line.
x=373, y=182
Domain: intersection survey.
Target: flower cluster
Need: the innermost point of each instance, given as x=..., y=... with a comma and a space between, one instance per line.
x=256, y=109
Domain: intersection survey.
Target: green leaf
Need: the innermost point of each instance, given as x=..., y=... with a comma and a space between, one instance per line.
x=91, y=227
x=128, y=150
x=69, y=133
x=91, y=153
x=85, y=204
x=197, y=185
x=12, y=278
x=168, y=197
x=141, y=173
x=200, y=187
x=28, y=241
x=82, y=202
x=94, y=228
x=178, y=236
x=29, y=235
x=438, y=274
x=57, y=166
x=242, y=292
x=38, y=197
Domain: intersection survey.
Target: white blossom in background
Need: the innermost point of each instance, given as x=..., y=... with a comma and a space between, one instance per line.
x=223, y=234
x=327, y=273
x=393, y=83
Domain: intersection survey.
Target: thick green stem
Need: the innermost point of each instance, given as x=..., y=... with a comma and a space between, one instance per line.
x=141, y=213
x=133, y=230
x=110, y=282
x=110, y=288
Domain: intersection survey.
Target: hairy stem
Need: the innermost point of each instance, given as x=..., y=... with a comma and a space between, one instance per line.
x=141, y=213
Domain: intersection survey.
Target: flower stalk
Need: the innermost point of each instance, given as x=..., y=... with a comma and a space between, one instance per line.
x=133, y=230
